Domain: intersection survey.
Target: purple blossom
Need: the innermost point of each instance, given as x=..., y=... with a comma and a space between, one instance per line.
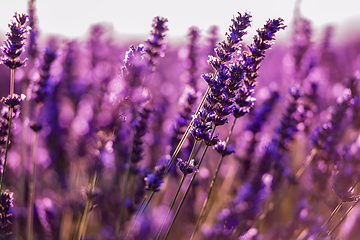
x=14, y=45
x=187, y=167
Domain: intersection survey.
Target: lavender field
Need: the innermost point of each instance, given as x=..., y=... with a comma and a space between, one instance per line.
x=212, y=137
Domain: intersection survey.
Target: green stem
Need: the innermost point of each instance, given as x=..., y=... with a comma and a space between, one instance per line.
x=32, y=180
x=171, y=205
x=124, y=189
x=343, y=218
x=188, y=188
x=87, y=209
x=212, y=183
x=12, y=85
x=6, y=149
x=337, y=208
x=177, y=191
x=179, y=146
x=9, y=129
x=144, y=202
x=78, y=225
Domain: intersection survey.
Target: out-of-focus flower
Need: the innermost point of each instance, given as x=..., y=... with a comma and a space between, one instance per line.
x=6, y=203
x=155, y=44
x=154, y=180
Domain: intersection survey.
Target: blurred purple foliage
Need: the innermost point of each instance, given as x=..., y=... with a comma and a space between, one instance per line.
x=119, y=110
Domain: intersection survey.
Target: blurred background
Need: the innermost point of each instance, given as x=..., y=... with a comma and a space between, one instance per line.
x=319, y=49
x=73, y=18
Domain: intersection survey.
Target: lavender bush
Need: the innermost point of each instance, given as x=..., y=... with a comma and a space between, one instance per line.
x=158, y=141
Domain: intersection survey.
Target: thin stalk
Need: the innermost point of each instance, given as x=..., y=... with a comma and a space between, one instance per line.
x=6, y=149
x=171, y=206
x=212, y=183
x=340, y=204
x=78, y=226
x=32, y=180
x=87, y=209
x=124, y=188
x=12, y=85
x=188, y=188
x=179, y=146
x=343, y=218
x=337, y=208
x=144, y=202
x=177, y=191
x=9, y=130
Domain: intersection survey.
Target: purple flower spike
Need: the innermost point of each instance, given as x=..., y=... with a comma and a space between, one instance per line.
x=14, y=45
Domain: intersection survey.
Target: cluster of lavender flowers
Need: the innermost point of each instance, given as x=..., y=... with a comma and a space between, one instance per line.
x=147, y=141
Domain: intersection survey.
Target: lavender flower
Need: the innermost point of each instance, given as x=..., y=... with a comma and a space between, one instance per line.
x=32, y=45
x=6, y=203
x=251, y=64
x=224, y=150
x=155, y=44
x=187, y=167
x=285, y=133
x=134, y=66
x=140, y=126
x=352, y=83
x=154, y=180
x=259, y=46
x=255, y=125
x=223, y=83
x=41, y=86
x=13, y=101
x=14, y=45
x=301, y=42
x=187, y=100
x=192, y=56
x=328, y=136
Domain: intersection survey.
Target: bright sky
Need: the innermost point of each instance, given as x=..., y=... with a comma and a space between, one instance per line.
x=72, y=18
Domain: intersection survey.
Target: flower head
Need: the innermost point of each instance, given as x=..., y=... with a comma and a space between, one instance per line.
x=155, y=180
x=6, y=203
x=187, y=168
x=14, y=45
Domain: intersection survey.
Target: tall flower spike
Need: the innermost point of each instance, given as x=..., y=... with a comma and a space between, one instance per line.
x=328, y=136
x=225, y=82
x=191, y=64
x=155, y=180
x=32, y=45
x=155, y=45
x=187, y=102
x=259, y=46
x=41, y=87
x=140, y=126
x=14, y=44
